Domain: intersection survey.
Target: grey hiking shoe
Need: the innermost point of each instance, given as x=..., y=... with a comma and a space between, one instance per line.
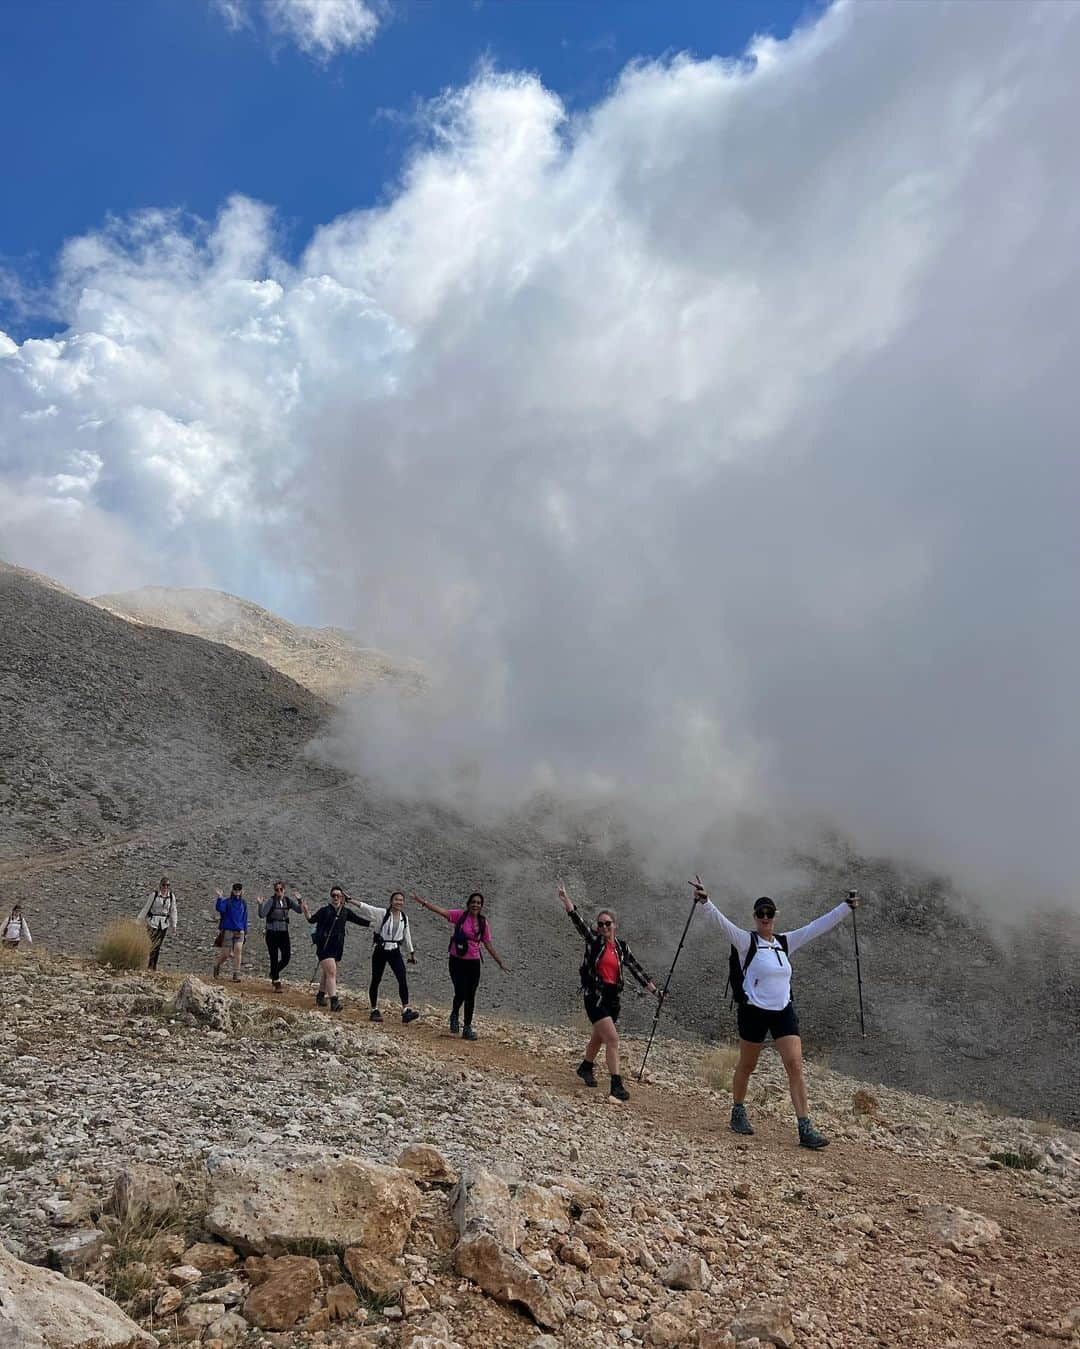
x=810, y=1138
x=455, y=1025
x=409, y=1014
x=468, y=1033
x=376, y=1015
x=739, y=1121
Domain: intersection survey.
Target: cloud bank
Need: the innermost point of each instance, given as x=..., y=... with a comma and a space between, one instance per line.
x=320, y=28
x=715, y=447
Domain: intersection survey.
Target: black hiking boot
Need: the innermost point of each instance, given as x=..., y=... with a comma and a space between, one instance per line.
x=455, y=1024
x=469, y=1034
x=617, y=1089
x=335, y=1003
x=585, y=1072
x=376, y=1015
x=277, y=985
x=408, y=1015
x=810, y=1138
x=739, y=1121
x=320, y=999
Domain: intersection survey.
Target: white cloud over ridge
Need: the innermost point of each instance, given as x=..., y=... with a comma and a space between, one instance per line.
x=717, y=447
x=320, y=28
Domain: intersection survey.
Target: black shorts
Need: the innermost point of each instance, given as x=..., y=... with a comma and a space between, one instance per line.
x=755, y=1024
x=601, y=1003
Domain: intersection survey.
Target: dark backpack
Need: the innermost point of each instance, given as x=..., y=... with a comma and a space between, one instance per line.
x=737, y=968
x=459, y=943
x=377, y=937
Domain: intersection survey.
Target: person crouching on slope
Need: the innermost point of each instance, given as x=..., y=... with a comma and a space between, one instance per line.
x=391, y=937
x=232, y=929
x=601, y=983
x=329, y=938
x=471, y=931
x=765, y=1006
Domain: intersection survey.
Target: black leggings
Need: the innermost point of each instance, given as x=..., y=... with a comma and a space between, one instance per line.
x=277, y=943
x=380, y=958
x=465, y=976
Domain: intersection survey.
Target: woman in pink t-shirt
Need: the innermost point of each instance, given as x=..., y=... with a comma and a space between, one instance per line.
x=471, y=931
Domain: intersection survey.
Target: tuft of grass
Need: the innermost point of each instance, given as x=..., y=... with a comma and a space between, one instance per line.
x=129, y=1269
x=718, y=1065
x=124, y=945
x=1023, y=1160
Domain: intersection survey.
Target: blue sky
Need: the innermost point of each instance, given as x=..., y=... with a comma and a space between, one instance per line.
x=124, y=104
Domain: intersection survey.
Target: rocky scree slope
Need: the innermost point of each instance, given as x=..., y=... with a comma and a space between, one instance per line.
x=127, y=752
x=238, y=1169
x=329, y=662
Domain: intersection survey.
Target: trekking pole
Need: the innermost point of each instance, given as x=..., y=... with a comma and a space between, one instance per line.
x=858, y=964
x=663, y=992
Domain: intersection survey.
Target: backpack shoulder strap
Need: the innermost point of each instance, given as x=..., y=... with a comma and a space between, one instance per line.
x=782, y=939
x=751, y=953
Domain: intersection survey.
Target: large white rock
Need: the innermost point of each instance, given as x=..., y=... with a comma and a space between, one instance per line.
x=209, y=1005
x=274, y=1205
x=40, y=1309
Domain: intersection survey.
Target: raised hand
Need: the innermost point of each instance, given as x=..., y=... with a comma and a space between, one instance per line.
x=700, y=893
x=566, y=902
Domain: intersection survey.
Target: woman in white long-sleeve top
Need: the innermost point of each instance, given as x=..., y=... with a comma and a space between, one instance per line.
x=764, y=1001
x=391, y=935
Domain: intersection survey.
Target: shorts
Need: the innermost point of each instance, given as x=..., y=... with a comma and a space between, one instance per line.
x=755, y=1023
x=600, y=1003
x=230, y=937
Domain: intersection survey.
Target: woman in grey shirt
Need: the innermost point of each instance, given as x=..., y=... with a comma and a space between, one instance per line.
x=276, y=911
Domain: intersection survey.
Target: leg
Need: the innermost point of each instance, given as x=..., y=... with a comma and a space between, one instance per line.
x=397, y=964
x=749, y=1053
x=790, y=1050
x=605, y=1032
x=157, y=938
x=378, y=965
x=328, y=977
x=457, y=978
x=272, y=952
x=472, y=976
x=284, y=952
x=237, y=955
x=596, y=1041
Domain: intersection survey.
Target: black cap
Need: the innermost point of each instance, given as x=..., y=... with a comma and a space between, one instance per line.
x=764, y=903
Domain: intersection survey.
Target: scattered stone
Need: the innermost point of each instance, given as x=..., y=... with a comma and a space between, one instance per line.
x=341, y=1302
x=274, y=1205
x=182, y=1275
x=481, y=1198
x=959, y=1228
x=767, y=1321
x=285, y=1295
x=375, y=1274
x=75, y=1253
x=212, y=1257
x=427, y=1163
x=208, y=1005
x=413, y=1302
x=668, y=1331
x=687, y=1271
x=505, y=1276
x=168, y=1302
x=144, y=1191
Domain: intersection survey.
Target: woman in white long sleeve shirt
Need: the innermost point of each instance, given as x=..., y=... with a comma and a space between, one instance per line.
x=391, y=937
x=765, y=1007
x=15, y=930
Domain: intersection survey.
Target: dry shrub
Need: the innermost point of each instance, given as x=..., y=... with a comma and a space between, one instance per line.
x=718, y=1065
x=124, y=945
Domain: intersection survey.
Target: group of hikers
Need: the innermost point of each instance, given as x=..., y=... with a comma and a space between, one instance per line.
x=759, y=970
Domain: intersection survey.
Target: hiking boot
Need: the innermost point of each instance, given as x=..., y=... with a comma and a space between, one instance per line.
x=618, y=1090
x=277, y=985
x=320, y=999
x=455, y=1024
x=469, y=1034
x=585, y=1072
x=739, y=1121
x=810, y=1138
x=409, y=1015
x=376, y=1015
x=335, y=1004
x=235, y=978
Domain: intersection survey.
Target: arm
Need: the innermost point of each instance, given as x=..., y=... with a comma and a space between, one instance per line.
x=574, y=916
x=352, y=917
x=265, y=905
x=174, y=913
x=26, y=933
x=635, y=969
x=737, y=936
x=801, y=935
x=219, y=903
x=494, y=955
x=369, y=909
x=407, y=942
x=144, y=912
x=432, y=908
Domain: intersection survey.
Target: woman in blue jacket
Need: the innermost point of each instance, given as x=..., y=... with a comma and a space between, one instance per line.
x=232, y=929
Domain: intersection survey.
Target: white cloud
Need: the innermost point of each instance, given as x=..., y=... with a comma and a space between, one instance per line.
x=715, y=446
x=320, y=28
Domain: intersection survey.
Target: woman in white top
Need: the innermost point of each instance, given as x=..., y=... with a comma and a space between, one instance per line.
x=15, y=930
x=765, y=1006
x=159, y=915
x=391, y=937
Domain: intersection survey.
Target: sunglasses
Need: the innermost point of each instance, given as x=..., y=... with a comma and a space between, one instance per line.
x=604, y=922
x=766, y=913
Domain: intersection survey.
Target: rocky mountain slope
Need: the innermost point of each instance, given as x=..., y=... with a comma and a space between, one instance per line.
x=239, y=1169
x=329, y=662
x=127, y=752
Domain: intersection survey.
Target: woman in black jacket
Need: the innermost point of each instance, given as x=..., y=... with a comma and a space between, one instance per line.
x=601, y=983
x=329, y=938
